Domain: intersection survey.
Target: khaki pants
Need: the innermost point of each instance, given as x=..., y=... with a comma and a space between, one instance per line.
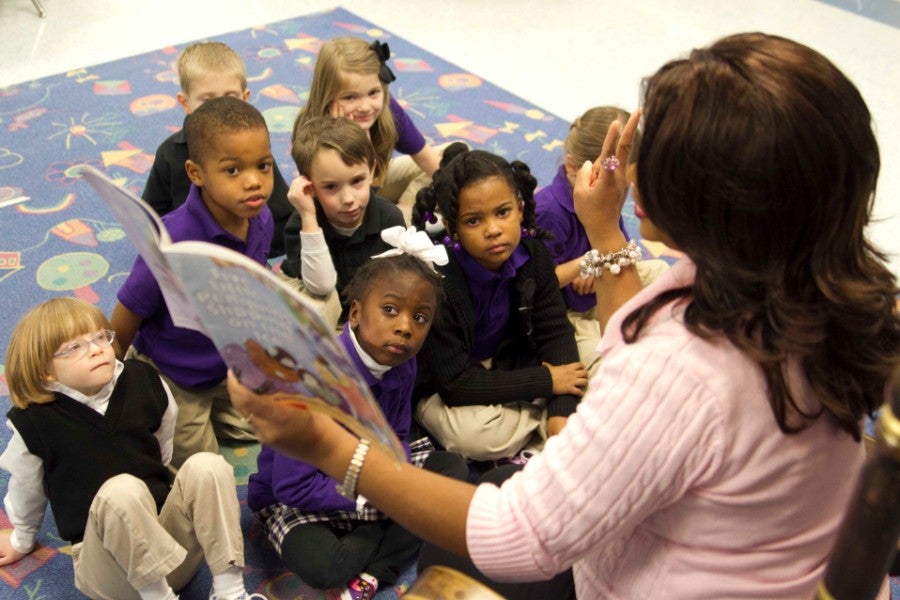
x=203, y=415
x=485, y=432
x=587, y=329
x=127, y=545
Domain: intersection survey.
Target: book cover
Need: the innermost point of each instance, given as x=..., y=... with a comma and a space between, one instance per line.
x=267, y=334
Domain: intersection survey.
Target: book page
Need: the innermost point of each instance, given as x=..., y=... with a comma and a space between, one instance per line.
x=273, y=341
x=149, y=236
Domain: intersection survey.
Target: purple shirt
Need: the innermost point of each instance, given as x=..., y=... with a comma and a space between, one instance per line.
x=188, y=357
x=280, y=479
x=490, y=298
x=556, y=214
x=409, y=139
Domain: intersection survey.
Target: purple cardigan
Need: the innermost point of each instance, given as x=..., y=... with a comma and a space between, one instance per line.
x=556, y=214
x=280, y=479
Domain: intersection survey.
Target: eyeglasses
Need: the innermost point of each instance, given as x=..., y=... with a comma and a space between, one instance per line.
x=80, y=348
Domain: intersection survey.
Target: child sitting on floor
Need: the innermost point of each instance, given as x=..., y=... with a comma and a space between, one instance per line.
x=500, y=369
x=351, y=79
x=339, y=217
x=555, y=213
x=230, y=167
x=325, y=537
x=93, y=436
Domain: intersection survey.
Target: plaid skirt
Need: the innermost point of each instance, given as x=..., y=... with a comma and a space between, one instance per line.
x=278, y=519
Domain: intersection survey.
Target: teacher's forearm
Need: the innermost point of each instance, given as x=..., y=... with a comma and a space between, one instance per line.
x=429, y=505
x=613, y=290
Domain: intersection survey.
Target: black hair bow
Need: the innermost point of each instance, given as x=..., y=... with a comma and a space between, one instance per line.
x=383, y=52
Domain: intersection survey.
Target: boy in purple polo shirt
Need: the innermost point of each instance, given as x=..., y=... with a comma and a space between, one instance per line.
x=555, y=213
x=230, y=167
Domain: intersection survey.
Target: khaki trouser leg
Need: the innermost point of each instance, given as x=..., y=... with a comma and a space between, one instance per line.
x=202, y=513
x=125, y=547
x=587, y=329
x=484, y=432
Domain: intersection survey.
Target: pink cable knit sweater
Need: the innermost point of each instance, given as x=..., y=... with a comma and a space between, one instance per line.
x=672, y=480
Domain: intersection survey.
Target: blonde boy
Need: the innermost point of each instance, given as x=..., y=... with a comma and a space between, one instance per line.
x=92, y=437
x=206, y=70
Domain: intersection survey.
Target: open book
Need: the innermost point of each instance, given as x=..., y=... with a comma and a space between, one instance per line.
x=267, y=334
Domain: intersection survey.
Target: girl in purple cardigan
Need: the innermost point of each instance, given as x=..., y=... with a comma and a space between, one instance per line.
x=322, y=536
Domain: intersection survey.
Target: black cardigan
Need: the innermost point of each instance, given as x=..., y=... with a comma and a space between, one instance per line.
x=445, y=362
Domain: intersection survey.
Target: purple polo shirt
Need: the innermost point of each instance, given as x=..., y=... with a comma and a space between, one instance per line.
x=409, y=139
x=188, y=357
x=490, y=293
x=556, y=214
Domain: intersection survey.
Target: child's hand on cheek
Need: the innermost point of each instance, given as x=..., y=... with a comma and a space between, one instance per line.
x=568, y=379
x=8, y=554
x=337, y=110
x=301, y=196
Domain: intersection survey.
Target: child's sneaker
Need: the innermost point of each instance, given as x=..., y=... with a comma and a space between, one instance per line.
x=360, y=588
x=520, y=459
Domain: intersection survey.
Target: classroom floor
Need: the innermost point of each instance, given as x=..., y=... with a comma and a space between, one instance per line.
x=564, y=56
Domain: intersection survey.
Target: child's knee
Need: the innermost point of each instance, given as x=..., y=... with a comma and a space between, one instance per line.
x=207, y=466
x=321, y=569
x=122, y=491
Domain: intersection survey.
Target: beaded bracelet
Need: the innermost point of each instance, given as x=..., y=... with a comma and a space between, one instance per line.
x=593, y=262
x=348, y=488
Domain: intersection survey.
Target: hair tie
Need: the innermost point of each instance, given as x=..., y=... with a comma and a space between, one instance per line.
x=413, y=242
x=383, y=52
x=429, y=217
x=449, y=242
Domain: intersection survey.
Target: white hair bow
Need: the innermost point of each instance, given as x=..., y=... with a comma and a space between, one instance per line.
x=414, y=242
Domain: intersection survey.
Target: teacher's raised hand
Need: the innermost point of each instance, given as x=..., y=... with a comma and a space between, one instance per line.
x=599, y=193
x=601, y=187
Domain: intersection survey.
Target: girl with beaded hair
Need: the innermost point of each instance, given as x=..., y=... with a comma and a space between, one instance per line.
x=732, y=389
x=499, y=371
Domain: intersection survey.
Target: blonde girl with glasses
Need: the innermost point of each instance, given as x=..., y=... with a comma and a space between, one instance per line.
x=93, y=437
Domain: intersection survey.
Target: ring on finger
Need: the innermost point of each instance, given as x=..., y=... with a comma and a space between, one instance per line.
x=610, y=163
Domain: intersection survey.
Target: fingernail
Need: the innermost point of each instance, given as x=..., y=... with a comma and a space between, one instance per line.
x=587, y=164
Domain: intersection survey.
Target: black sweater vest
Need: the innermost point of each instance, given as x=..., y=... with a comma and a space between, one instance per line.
x=81, y=448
